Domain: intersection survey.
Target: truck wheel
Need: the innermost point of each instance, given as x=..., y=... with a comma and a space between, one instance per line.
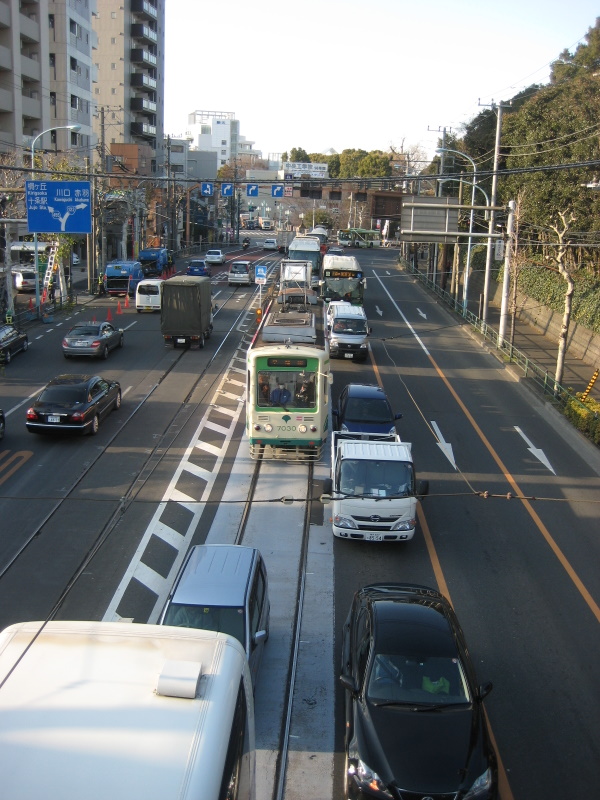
x=201, y=342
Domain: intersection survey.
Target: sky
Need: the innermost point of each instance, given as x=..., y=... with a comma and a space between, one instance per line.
x=321, y=74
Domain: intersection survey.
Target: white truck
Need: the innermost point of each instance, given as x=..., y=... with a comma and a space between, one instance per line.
x=295, y=284
x=118, y=710
x=373, y=488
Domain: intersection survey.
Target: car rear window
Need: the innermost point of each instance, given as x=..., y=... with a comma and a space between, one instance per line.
x=148, y=290
x=214, y=253
x=240, y=268
x=63, y=394
x=83, y=330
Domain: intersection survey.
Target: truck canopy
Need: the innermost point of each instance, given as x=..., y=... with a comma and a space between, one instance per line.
x=186, y=306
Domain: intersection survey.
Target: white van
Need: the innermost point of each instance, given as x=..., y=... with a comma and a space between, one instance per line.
x=347, y=329
x=118, y=710
x=148, y=295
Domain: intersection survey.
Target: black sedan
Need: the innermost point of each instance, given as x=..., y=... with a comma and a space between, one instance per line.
x=94, y=339
x=12, y=341
x=73, y=404
x=364, y=408
x=415, y=725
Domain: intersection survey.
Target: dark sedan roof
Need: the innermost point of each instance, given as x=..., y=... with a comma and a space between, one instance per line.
x=365, y=390
x=70, y=380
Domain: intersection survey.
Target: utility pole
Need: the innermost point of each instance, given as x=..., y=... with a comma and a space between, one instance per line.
x=492, y=219
x=438, y=193
x=169, y=209
x=506, y=277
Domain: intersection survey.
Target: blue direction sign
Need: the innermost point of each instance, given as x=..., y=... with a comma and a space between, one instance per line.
x=206, y=189
x=252, y=190
x=277, y=190
x=58, y=206
x=260, y=274
x=227, y=190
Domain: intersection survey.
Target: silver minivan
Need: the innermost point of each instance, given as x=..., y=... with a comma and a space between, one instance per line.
x=224, y=588
x=241, y=272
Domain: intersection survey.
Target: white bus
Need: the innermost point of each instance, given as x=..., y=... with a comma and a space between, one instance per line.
x=116, y=710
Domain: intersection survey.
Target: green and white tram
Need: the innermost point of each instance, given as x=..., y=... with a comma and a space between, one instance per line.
x=288, y=380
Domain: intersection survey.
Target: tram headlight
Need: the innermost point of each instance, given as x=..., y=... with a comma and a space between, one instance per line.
x=268, y=427
x=302, y=428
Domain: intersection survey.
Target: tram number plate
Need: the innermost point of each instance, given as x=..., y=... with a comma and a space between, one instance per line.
x=347, y=355
x=53, y=419
x=374, y=537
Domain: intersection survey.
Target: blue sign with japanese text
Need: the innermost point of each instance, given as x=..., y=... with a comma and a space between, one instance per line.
x=58, y=206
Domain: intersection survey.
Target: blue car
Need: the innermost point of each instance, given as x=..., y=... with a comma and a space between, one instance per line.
x=364, y=409
x=199, y=267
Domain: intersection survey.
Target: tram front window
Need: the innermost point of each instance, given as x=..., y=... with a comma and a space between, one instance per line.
x=286, y=389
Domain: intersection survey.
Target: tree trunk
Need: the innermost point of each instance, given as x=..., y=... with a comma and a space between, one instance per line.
x=564, y=329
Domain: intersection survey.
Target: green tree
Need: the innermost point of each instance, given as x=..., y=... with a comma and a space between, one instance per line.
x=375, y=165
x=299, y=155
x=350, y=161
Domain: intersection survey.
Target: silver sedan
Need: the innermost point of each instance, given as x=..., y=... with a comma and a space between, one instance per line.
x=94, y=339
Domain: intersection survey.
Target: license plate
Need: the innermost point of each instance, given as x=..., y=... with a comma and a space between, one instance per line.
x=180, y=341
x=348, y=355
x=374, y=537
x=80, y=344
x=53, y=419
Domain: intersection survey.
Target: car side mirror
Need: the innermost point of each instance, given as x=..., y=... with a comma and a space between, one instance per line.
x=348, y=683
x=335, y=412
x=327, y=486
x=484, y=690
x=397, y=416
x=260, y=636
x=422, y=488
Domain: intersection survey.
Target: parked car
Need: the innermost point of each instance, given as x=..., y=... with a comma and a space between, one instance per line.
x=413, y=707
x=198, y=266
x=74, y=259
x=240, y=272
x=12, y=341
x=224, y=588
x=335, y=250
x=365, y=408
x=94, y=339
x=24, y=279
x=270, y=244
x=2, y=424
x=214, y=257
x=73, y=404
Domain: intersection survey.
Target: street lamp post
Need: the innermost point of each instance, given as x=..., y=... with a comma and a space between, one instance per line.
x=75, y=127
x=471, y=219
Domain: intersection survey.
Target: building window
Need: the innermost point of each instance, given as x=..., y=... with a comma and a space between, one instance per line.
x=113, y=14
x=52, y=98
x=113, y=40
x=51, y=20
x=96, y=90
x=223, y=141
x=223, y=152
x=74, y=138
x=113, y=90
x=113, y=66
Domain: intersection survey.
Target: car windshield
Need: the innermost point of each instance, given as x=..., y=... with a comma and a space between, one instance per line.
x=63, y=394
x=379, y=478
x=355, y=326
x=224, y=619
x=84, y=330
x=368, y=409
x=401, y=678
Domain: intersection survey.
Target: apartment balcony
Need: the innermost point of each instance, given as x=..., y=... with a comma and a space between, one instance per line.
x=143, y=105
x=144, y=9
x=5, y=58
x=30, y=29
x=30, y=69
x=142, y=56
x=143, y=32
x=32, y=107
x=6, y=101
x=139, y=80
x=143, y=129
x=4, y=15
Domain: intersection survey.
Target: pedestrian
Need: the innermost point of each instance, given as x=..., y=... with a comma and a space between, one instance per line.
x=101, y=289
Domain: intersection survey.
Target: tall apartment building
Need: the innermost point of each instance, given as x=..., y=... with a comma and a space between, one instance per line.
x=130, y=62
x=46, y=74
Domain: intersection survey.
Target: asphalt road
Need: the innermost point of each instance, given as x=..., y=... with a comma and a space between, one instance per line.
x=521, y=573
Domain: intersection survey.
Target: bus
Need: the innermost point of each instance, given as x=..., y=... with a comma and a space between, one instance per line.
x=24, y=252
x=120, y=710
x=288, y=385
x=307, y=248
x=359, y=237
x=343, y=279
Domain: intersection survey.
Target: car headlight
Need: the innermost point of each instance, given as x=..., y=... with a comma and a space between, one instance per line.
x=366, y=775
x=344, y=522
x=333, y=342
x=404, y=525
x=364, y=346
x=392, y=431
x=481, y=787
x=344, y=427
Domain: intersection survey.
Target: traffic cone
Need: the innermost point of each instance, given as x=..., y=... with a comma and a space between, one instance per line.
x=30, y=304
x=126, y=301
x=94, y=318
x=44, y=295
x=108, y=316
x=119, y=309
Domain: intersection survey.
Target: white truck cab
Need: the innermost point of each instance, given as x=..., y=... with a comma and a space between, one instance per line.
x=374, y=489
